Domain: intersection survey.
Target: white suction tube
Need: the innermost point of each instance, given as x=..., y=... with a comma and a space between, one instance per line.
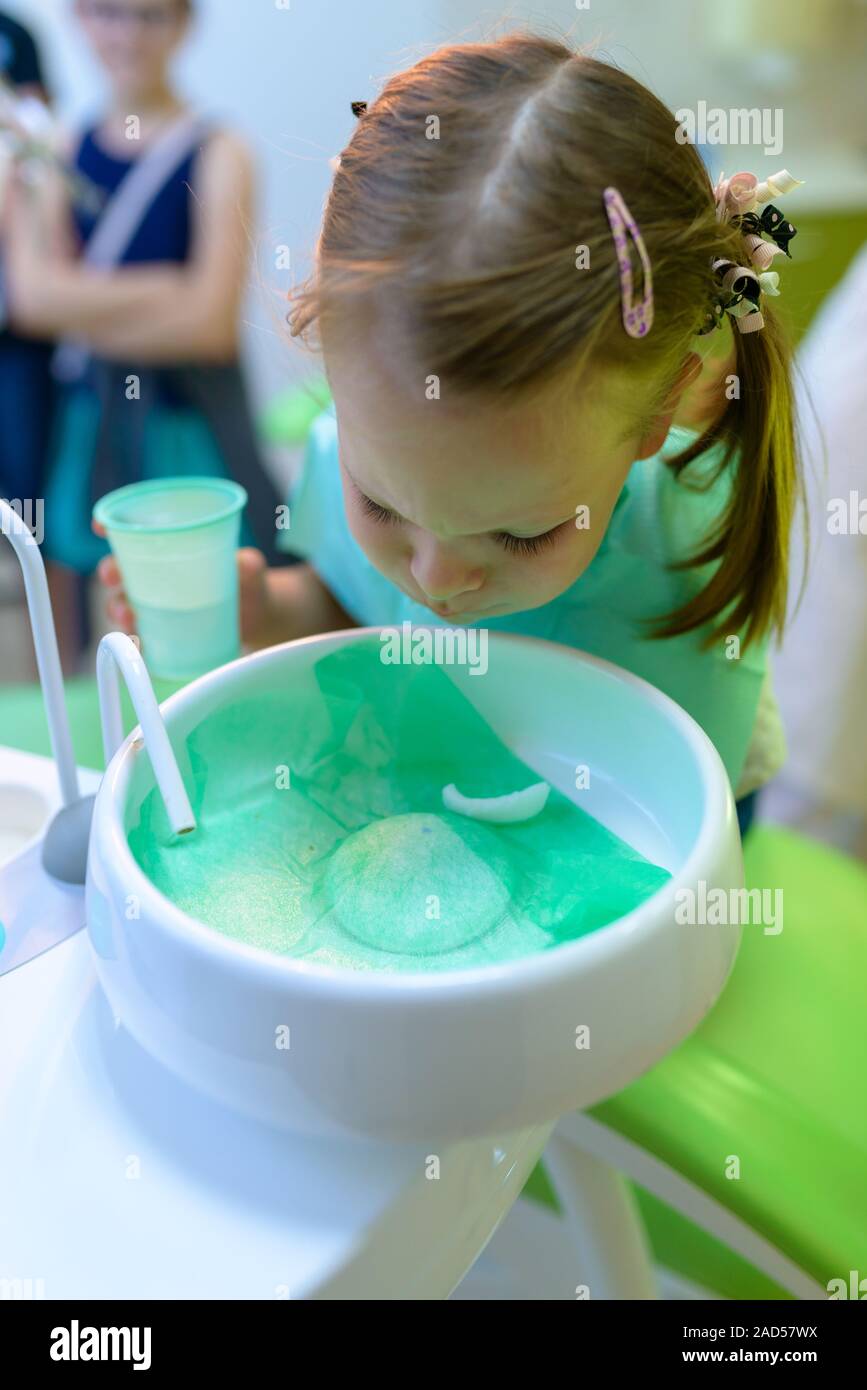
x=45, y=642
x=118, y=653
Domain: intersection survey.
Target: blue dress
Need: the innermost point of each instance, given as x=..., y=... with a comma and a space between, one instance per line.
x=178, y=427
x=164, y=232
x=657, y=521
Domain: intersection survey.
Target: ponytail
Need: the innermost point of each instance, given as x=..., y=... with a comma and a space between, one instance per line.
x=756, y=432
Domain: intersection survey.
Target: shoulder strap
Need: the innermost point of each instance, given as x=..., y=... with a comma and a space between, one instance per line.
x=123, y=214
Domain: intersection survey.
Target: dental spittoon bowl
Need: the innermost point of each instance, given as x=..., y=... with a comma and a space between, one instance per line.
x=337, y=949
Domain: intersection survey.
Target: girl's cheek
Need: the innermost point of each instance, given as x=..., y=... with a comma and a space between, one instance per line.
x=545, y=576
x=381, y=544
x=359, y=526
x=579, y=551
x=551, y=579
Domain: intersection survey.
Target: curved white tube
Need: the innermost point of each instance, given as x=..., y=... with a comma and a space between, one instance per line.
x=502, y=810
x=117, y=652
x=45, y=642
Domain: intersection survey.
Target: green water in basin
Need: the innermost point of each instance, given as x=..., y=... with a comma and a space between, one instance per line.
x=322, y=834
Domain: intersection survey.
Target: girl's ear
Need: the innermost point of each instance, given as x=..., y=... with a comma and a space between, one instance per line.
x=657, y=429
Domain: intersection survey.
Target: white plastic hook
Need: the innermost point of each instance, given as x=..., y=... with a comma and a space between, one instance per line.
x=117, y=652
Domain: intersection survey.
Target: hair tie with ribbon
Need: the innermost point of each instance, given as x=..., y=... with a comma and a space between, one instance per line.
x=741, y=287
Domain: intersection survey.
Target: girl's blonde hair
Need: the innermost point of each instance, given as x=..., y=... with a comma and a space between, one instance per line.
x=454, y=217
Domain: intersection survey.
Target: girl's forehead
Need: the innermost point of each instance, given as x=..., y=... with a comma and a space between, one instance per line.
x=378, y=411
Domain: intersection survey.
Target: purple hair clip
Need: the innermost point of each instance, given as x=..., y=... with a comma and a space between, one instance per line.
x=637, y=318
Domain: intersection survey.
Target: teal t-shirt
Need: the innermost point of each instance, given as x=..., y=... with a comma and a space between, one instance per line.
x=657, y=521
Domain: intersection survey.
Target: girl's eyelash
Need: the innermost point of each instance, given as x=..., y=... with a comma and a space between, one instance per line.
x=527, y=545
x=516, y=545
x=376, y=511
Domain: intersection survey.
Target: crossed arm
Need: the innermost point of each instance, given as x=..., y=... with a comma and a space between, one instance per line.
x=151, y=313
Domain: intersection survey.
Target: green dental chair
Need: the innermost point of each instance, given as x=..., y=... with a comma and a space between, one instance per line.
x=746, y=1148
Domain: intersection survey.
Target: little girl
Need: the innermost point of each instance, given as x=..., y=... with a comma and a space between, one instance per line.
x=516, y=259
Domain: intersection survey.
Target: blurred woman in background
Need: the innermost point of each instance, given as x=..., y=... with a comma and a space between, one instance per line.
x=143, y=292
x=25, y=382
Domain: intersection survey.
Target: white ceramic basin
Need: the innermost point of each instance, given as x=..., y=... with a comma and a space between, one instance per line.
x=453, y=1054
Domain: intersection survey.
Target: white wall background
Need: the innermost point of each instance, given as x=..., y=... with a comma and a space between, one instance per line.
x=286, y=77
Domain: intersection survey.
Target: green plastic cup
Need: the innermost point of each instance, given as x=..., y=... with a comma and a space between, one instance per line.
x=175, y=541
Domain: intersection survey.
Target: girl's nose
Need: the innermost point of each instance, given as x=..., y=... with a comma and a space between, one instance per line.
x=443, y=574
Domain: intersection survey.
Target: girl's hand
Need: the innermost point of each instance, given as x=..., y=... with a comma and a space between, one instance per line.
x=253, y=596
x=117, y=608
